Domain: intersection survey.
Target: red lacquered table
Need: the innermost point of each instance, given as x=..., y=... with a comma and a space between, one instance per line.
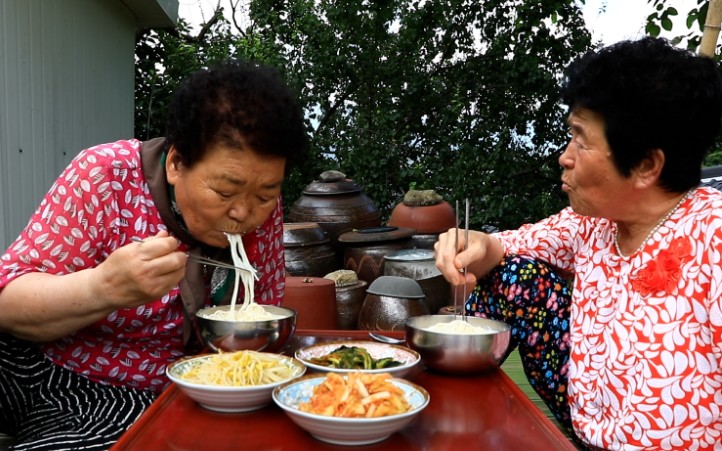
x=481, y=412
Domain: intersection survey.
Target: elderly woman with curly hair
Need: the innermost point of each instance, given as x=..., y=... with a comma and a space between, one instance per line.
x=629, y=354
x=89, y=318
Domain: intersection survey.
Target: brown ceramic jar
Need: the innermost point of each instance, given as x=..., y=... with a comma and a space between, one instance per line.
x=307, y=250
x=314, y=300
x=337, y=204
x=364, y=249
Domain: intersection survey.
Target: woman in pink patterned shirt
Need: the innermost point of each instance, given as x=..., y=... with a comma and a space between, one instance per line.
x=629, y=357
x=89, y=319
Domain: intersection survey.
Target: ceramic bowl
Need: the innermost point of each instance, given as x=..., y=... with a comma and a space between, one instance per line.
x=458, y=353
x=346, y=431
x=227, y=398
x=408, y=357
x=227, y=335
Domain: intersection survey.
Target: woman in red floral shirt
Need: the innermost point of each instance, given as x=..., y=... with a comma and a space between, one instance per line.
x=631, y=359
x=88, y=314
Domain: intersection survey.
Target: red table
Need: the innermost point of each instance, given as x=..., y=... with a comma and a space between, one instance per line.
x=482, y=412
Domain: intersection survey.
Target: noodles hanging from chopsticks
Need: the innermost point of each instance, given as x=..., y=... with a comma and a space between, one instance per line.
x=249, y=310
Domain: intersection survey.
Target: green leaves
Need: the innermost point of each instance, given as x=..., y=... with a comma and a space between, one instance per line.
x=457, y=96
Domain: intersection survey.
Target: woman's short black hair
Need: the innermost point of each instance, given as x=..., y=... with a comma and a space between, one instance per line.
x=652, y=95
x=237, y=103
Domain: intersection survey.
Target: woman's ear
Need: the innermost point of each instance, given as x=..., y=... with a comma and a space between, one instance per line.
x=173, y=165
x=649, y=169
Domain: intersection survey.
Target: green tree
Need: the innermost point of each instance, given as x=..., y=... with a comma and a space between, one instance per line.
x=662, y=19
x=459, y=96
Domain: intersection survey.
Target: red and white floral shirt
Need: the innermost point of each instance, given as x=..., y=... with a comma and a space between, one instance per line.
x=645, y=368
x=97, y=204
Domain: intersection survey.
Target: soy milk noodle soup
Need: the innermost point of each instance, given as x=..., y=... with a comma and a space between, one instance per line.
x=249, y=310
x=459, y=327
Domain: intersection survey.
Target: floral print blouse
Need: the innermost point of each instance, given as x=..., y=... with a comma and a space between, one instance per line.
x=645, y=366
x=97, y=205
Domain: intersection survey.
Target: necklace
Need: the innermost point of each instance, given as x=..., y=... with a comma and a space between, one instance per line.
x=654, y=230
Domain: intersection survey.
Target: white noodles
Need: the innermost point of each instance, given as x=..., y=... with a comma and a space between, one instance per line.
x=249, y=310
x=458, y=326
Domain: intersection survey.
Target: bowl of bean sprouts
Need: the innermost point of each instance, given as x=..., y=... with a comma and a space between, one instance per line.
x=455, y=345
x=238, y=381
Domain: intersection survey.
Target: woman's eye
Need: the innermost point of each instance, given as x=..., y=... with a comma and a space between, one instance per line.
x=224, y=195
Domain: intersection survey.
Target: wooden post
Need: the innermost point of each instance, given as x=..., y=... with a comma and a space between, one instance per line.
x=711, y=28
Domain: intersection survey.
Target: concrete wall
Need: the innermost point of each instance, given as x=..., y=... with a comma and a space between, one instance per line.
x=66, y=83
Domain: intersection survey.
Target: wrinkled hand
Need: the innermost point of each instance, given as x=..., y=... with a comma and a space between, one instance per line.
x=452, y=259
x=140, y=272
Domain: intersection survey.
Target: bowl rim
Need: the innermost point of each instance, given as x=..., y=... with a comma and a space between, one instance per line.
x=360, y=343
x=199, y=313
x=292, y=361
x=345, y=420
x=410, y=326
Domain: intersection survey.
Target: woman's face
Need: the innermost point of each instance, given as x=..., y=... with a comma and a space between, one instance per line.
x=230, y=190
x=591, y=180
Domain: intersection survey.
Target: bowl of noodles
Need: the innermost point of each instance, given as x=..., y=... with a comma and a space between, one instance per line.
x=353, y=408
x=268, y=328
x=248, y=325
x=240, y=381
x=455, y=345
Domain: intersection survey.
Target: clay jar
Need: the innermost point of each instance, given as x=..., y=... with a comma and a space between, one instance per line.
x=427, y=213
x=337, y=204
x=364, y=249
x=389, y=302
x=350, y=293
x=307, y=250
x=314, y=300
x=420, y=265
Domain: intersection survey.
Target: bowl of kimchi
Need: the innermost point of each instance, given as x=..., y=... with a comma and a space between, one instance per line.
x=351, y=408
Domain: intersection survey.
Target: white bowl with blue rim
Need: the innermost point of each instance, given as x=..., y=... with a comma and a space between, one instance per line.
x=224, y=398
x=407, y=358
x=346, y=431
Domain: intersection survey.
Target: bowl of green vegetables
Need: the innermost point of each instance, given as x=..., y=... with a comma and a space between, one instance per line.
x=355, y=356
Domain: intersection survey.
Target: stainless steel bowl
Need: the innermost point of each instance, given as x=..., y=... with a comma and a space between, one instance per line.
x=458, y=353
x=268, y=335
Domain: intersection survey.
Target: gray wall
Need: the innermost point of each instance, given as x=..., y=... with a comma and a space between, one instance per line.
x=66, y=83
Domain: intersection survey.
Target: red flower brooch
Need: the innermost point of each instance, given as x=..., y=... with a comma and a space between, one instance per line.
x=662, y=274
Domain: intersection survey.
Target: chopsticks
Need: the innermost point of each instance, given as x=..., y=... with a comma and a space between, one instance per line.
x=466, y=246
x=203, y=260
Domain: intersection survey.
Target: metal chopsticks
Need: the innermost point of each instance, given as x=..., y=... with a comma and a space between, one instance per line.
x=460, y=309
x=204, y=260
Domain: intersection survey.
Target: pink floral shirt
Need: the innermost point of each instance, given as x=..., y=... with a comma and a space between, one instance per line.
x=97, y=205
x=645, y=368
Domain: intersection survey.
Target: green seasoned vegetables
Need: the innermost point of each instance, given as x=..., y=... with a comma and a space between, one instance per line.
x=354, y=358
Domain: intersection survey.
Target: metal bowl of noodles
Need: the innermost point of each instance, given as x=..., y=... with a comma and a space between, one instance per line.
x=448, y=347
x=268, y=335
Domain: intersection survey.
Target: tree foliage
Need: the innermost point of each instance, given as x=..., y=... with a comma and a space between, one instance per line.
x=457, y=96
x=690, y=37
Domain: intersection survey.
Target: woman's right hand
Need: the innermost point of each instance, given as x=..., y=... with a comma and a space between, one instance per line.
x=140, y=272
x=464, y=264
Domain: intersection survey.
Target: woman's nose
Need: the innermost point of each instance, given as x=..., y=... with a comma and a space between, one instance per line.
x=565, y=159
x=240, y=211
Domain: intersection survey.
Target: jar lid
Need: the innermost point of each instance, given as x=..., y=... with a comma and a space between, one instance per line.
x=303, y=234
x=397, y=287
x=330, y=183
x=411, y=255
x=375, y=234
